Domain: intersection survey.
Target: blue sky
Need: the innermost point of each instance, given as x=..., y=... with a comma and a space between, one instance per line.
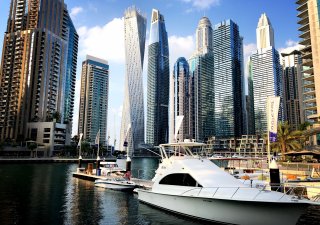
x=100, y=26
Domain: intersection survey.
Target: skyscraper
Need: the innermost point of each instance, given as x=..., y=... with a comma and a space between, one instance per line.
x=292, y=88
x=228, y=82
x=93, y=109
x=158, y=81
x=72, y=37
x=266, y=74
x=132, y=127
x=201, y=88
x=179, y=100
x=34, y=67
x=308, y=20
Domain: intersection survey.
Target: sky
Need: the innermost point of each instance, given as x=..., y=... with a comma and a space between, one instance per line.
x=99, y=24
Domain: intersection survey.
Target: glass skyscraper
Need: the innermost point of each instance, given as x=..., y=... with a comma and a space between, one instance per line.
x=93, y=109
x=179, y=100
x=132, y=127
x=35, y=82
x=72, y=37
x=228, y=82
x=266, y=74
x=201, y=88
x=158, y=81
x=292, y=88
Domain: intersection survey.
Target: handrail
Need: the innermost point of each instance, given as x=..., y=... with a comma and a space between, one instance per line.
x=287, y=191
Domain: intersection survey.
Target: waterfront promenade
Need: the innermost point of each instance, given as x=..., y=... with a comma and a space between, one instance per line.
x=50, y=160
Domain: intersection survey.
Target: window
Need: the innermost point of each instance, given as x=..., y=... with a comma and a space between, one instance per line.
x=46, y=141
x=180, y=179
x=46, y=129
x=33, y=134
x=46, y=135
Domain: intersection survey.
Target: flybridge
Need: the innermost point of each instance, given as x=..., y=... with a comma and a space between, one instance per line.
x=181, y=149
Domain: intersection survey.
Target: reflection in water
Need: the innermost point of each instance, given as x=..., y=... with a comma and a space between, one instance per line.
x=48, y=194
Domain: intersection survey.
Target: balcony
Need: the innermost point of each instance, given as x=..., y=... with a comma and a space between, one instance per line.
x=307, y=55
x=305, y=35
x=307, y=62
x=303, y=13
x=303, y=5
x=304, y=20
x=308, y=78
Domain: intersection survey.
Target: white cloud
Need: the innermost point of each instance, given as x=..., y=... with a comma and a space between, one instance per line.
x=180, y=47
x=203, y=4
x=290, y=46
x=291, y=43
x=248, y=49
x=106, y=42
x=75, y=11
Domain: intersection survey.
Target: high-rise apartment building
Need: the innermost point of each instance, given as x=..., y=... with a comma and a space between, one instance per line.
x=93, y=109
x=309, y=17
x=132, y=127
x=201, y=88
x=228, y=81
x=266, y=74
x=179, y=100
x=292, y=88
x=34, y=82
x=158, y=82
x=72, y=37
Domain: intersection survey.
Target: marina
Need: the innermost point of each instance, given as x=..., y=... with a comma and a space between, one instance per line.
x=56, y=197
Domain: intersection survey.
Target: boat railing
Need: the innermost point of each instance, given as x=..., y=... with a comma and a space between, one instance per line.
x=294, y=192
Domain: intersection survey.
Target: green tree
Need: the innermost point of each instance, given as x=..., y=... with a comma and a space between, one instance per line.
x=32, y=146
x=287, y=139
x=56, y=115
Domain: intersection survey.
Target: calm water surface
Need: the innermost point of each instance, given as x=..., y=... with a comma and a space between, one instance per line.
x=48, y=194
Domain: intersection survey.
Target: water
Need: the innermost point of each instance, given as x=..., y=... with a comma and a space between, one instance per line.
x=48, y=194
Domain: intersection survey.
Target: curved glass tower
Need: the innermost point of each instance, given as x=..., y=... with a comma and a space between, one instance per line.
x=179, y=100
x=158, y=82
x=132, y=124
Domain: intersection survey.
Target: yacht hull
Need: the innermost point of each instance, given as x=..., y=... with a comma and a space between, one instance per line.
x=226, y=211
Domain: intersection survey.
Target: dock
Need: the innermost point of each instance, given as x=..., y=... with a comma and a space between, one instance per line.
x=90, y=177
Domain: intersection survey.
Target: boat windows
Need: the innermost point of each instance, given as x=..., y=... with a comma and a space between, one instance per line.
x=180, y=179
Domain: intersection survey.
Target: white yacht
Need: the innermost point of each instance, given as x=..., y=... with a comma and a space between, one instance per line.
x=193, y=186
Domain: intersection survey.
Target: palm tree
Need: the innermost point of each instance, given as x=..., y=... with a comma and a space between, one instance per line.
x=287, y=139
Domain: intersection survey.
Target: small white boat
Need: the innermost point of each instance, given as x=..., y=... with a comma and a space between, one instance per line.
x=115, y=183
x=193, y=186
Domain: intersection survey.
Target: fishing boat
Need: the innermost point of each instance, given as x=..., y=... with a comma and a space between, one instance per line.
x=193, y=186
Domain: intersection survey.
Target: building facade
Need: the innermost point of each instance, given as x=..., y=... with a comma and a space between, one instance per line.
x=308, y=20
x=228, y=82
x=201, y=88
x=34, y=66
x=179, y=100
x=292, y=88
x=158, y=82
x=132, y=124
x=93, y=108
x=266, y=75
